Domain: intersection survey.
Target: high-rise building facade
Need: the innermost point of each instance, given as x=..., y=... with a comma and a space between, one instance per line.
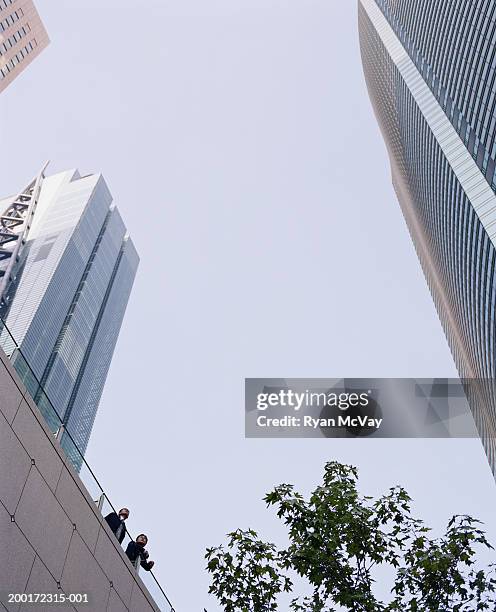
x=22, y=38
x=67, y=267
x=430, y=68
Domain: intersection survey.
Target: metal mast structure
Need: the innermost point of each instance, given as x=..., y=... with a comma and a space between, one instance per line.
x=15, y=223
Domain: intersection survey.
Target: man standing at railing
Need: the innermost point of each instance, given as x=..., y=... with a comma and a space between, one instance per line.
x=116, y=523
x=136, y=550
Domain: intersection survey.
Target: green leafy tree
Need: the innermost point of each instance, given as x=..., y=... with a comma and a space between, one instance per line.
x=337, y=540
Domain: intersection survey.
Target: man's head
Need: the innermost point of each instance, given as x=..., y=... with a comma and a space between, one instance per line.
x=123, y=513
x=142, y=539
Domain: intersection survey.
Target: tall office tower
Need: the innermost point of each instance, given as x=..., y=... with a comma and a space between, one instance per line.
x=430, y=67
x=67, y=267
x=22, y=38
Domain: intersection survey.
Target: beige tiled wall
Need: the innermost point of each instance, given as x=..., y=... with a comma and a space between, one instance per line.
x=52, y=536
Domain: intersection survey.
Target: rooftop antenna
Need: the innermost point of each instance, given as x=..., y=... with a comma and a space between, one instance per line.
x=15, y=223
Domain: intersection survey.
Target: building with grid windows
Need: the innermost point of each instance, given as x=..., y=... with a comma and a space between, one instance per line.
x=430, y=68
x=67, y=266
x=22, y=38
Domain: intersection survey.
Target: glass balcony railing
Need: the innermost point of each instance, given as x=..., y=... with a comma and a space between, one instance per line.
x=57, y=427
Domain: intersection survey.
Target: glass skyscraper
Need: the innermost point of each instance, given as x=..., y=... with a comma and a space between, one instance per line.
x=65, y=290
x=430, y=67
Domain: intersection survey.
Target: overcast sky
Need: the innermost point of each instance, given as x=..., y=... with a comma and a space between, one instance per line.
x=238, y=141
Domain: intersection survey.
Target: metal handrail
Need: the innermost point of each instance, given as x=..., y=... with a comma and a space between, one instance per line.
x=11, y=352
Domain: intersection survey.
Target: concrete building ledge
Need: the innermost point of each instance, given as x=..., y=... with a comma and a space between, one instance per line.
x=56, y=539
